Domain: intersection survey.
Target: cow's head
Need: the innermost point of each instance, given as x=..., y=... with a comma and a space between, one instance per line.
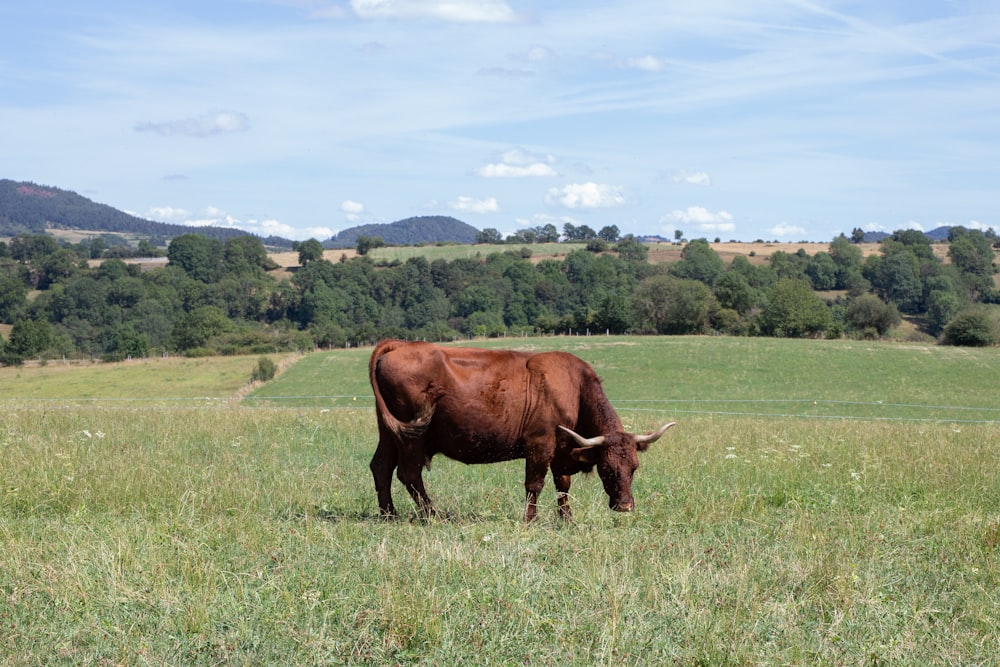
x=616, y=457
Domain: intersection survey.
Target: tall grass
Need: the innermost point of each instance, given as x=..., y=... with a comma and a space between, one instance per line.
x=226, y=534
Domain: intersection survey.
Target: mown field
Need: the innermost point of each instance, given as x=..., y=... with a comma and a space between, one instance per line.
x=818, y=503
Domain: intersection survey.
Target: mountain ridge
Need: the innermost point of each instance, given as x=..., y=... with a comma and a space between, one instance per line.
x=29, y=208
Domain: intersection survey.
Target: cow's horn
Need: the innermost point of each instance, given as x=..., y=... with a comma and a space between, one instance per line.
x=654, y=436
x=584, y=442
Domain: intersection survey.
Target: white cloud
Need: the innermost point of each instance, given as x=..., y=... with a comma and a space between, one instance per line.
x=787, y=231
x=167, y=213
x=352, y=210
x=586, y=195
x=207, y=125
x=318, y=233
x=693, y=178
x=703, y=219
x=212, y=216
x=644, y=63
x=519, y=163
x=542, y=219
x=459, y=11
x=470, y=205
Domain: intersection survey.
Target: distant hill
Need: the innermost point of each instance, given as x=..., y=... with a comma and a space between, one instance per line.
x=27, y=208
x=936, y=235
x=411, y=231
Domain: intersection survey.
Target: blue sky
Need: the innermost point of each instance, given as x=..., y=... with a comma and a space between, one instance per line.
x=742, y=119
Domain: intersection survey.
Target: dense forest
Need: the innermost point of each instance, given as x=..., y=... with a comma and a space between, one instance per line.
x=216, y=296
x=409, y=231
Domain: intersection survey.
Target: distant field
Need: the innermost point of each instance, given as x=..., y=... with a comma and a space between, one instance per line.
x=818, y=503
x=658, y=252
x=748, y=376
x=153, y=379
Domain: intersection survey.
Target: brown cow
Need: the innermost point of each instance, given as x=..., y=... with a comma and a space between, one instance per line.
x=482, y=406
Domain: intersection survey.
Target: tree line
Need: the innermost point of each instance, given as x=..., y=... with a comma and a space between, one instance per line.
x=218, y=297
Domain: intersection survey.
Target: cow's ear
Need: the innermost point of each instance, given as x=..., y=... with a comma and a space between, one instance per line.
x=586, y=455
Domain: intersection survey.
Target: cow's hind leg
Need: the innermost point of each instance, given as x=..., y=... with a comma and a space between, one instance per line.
x=410, y=474
x=382, y=465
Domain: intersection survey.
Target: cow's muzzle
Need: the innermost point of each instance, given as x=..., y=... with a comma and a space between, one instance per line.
x=626, y=506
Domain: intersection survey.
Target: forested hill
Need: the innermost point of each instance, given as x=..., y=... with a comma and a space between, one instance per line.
x=411, y=231
x=27, y=208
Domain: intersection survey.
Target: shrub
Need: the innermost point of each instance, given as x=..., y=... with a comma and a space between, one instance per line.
x=264, y=371
x=976, y=326
x=871, y=317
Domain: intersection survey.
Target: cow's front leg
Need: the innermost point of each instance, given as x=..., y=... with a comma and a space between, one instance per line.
x=534, y=480
x=562, y=483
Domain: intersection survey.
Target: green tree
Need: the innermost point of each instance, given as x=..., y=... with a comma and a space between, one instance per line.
x=29, y=338
x=13, y=298
x=198, y=256
x=699, y=261
x=734, y=292
x=245, y=256
x=971, y=252
x=792, y=310
x=199, y=326
x=614, y=314
x=665, y=304
x=365, y=244
x=942, y=306
x=822, y=271
x=548, y=234
x=311, y=250
x=489, y=235
x=898, y=280
x=609, y=233
x=631, y=249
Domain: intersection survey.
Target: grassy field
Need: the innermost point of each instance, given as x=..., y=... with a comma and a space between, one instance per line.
x=819, y=503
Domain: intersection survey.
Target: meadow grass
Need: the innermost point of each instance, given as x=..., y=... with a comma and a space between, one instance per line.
x=218, y=533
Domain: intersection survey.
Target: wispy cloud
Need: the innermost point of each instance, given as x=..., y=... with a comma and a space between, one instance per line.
x=472, y=205
x=460, y=11
x=517, y=163
x=207, y=125
x=646, y=63
x=787, y=231
x=692, y=178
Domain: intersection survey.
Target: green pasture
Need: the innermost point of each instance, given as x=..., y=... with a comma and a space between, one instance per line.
x=818, y=503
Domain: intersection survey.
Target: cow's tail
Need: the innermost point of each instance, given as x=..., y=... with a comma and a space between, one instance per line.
x=401, y=429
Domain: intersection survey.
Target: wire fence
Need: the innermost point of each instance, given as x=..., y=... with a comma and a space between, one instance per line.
x=776, y=408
